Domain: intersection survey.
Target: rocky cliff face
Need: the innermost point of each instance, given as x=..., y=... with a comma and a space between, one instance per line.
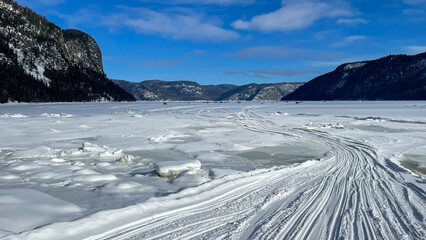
x=83, y=50
x=41, y=62
x=156, y=90
x=395, y=77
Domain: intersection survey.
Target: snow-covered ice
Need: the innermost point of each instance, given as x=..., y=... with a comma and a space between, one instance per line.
x=23, y=209
x=250, y=170
x=174, y=168
x=18, y=115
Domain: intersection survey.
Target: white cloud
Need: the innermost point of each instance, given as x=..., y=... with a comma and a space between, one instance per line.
x=183, y=25
x=199, y=52
x=81, y=16
x=354, y=38
x=164, y=63
x=51, y=2
x=277, y=52
x=202, y=2
x=415, y=49
x=413, y=11
x=294, y=15
x=328, y=34
x=261, y=73
x=352, y=21
x=414, y=2
x=349, y=39
x=175, y=23
x=33, y=3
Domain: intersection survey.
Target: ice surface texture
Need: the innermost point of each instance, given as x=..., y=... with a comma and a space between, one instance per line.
x=106, y=162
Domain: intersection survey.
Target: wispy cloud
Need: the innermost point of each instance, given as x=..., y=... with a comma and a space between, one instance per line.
x=354, y=38
x=199, y=52
x=81, y=16
x=40, y=2
x=174, y=23
x=163, y=63
x=328, y=34
x=414, y=2
x=262, y=73
x=277, y=52
x=50, y=2
x=116, y=58
x=352, y=21
x=202, y=2
x=296, y=14
x=415, y=49
x=349, y=39
x=412, y=11
x=181, y=25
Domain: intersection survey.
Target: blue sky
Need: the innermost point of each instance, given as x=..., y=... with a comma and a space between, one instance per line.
x=239, y=41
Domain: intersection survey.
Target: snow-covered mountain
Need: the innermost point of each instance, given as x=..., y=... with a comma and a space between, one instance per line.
x=395, y=77
x=260, y=92
x=156, y=90
x=39, y=61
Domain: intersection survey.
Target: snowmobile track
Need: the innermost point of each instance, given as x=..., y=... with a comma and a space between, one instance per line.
x=351, y=193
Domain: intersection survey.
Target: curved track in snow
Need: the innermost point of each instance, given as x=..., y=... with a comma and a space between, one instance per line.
x=352, y=193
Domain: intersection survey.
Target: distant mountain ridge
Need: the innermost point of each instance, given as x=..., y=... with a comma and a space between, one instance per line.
x=156, y=90
x=395, y=77
x=261, y=92
x=40, y=62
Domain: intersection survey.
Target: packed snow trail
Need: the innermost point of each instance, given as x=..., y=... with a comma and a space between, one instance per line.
x=352, y=193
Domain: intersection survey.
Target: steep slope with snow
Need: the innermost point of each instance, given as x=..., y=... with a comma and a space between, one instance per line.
x=259, y=92
x=83, y=50
x=395, y=77
x=41, y=62
x=157, y=90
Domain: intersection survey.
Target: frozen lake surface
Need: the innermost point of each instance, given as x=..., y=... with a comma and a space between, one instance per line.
x=275, y=170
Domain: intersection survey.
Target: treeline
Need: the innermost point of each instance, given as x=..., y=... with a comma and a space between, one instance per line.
x=17, y=85
x=68, y=85
x=394, y=77
x=46, y=28
x=41, y=45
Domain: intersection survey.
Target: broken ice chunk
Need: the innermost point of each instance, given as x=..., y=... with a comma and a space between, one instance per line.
x=111, y=153
x=126, y=158
x=89, y=147
x=171, y=169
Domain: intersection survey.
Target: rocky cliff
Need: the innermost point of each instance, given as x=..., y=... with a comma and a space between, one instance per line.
x=395, y=77
x=40, y=62
x=83, y=50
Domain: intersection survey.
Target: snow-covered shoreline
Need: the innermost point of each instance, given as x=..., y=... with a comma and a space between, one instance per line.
x=102, y=156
